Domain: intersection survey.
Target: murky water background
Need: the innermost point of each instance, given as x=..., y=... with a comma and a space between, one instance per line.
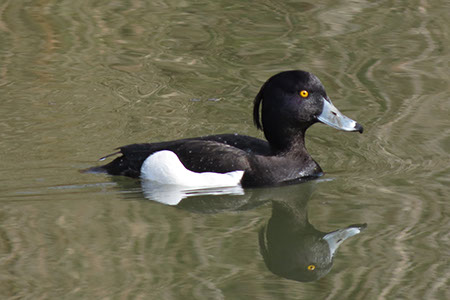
x=78, y=78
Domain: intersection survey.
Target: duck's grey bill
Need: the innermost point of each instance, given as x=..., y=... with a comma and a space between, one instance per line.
x=333, y=117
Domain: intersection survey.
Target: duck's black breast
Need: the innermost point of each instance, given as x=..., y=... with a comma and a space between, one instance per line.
x=276, y=170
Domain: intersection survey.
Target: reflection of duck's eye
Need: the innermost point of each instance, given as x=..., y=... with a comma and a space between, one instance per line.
x=311, y=267
x=304, y=93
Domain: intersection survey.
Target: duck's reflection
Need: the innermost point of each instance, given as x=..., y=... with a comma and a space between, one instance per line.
x=290, y=246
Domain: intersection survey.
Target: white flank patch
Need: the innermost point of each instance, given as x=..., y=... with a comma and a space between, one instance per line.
x=165, y=167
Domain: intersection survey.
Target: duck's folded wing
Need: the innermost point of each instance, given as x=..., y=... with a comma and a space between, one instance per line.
x=211, y=156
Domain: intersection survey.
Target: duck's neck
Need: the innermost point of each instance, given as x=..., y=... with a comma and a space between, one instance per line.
x=288, y=143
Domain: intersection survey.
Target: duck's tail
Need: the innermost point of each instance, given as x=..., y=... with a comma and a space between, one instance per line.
x=95, y=170
x=104, y=169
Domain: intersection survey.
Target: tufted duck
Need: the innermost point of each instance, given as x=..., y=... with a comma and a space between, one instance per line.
x=285, y=107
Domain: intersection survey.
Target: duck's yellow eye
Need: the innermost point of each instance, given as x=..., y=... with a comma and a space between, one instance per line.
x=304, y=93
x=311, y=267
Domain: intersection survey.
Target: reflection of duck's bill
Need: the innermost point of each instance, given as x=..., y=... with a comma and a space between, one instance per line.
x=333, y=117
x=335, y=238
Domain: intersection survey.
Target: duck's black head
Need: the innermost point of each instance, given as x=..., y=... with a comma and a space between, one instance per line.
x=291, y=102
